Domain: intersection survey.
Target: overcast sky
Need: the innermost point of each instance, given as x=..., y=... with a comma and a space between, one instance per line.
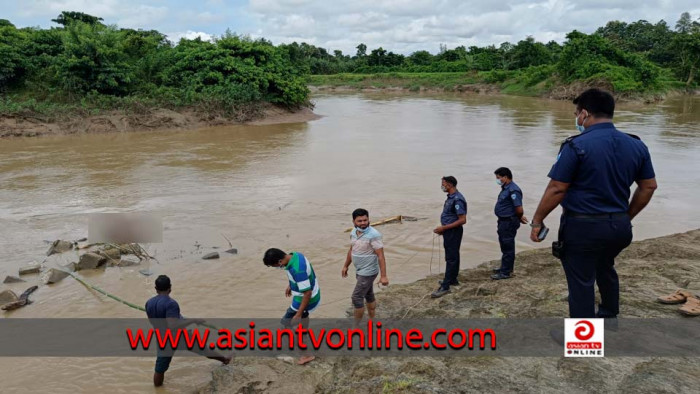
x=402, y=26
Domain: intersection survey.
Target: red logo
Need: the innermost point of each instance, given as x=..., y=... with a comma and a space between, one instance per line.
x=584, y=337
x=584, y=330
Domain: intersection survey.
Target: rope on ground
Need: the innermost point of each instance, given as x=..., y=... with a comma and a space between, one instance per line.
x=413, y=306
x=112, y=296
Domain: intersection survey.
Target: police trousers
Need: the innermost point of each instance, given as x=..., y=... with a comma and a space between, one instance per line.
x=451, y=240
x=590, y=247
x=507, y=229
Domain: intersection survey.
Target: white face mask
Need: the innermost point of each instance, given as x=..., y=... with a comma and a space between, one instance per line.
x=580, y=127
x=444, y=189
x=499, y=182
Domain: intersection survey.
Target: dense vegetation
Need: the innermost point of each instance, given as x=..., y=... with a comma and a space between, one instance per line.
x=85, y=64
x=633, y=57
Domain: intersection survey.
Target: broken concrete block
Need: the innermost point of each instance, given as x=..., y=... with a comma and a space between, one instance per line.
x=7, y=297
x=30, y=269
x=53, y=275
x=59, y=246
x=90, y=261
x=12, y=279
x=210, y=256
x=22, y=301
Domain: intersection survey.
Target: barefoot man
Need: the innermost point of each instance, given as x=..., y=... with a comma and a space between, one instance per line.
x=367, y=253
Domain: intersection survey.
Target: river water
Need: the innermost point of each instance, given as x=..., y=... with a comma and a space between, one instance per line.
x=293, y=186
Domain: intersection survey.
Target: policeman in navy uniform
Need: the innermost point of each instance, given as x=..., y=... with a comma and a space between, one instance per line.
x=509, y=210
x=591, y=179
x=453, y=217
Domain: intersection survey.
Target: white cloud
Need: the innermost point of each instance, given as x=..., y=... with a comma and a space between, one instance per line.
x=402, y=26
x=190, y=35
x=409, y=25
x=124, y=13
x=208, y=17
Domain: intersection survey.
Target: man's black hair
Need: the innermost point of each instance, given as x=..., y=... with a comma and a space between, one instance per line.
x=359, y=212
x=450, y=179
x=273, y=256
x=504, y=171
x=597, y=102
x=162, y=283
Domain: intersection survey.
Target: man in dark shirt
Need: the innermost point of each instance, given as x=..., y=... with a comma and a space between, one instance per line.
x=509, y=210
x=164, y=313
x=453, y=217
x=591, y=179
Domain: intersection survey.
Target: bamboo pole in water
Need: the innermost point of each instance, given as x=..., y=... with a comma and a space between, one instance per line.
x=384, y=221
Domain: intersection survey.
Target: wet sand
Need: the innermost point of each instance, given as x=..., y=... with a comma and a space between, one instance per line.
x=153, y=119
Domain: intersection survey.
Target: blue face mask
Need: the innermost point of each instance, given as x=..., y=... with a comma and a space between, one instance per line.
x=499, y=182
x=362, y=231
x=579, y=127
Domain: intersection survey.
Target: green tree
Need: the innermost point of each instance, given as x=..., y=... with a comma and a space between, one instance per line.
x=377, y=57
x=530, y=53
x=68, y=17
x=420, y=58
x=13, y=64
x=94, y=60
x=687, y=46
x=684, y=24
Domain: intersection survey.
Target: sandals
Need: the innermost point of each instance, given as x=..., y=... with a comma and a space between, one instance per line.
x=679, y=297
x=691, y=307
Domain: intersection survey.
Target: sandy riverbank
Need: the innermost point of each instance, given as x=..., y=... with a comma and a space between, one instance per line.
x=30, y=125
x=647, y=269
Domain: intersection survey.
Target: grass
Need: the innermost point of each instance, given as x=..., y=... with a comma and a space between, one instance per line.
x=409, y=81
x=399, y=385
x=533, y=81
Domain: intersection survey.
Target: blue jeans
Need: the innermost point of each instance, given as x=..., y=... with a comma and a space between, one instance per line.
x=590, y=248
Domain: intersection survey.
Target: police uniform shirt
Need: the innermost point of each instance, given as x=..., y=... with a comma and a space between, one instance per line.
x=509, y=198
x=600, y=165
x=455, y=205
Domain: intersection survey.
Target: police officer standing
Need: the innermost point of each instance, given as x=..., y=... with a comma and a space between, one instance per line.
x=509, y=210
x=454, y=216
x=591, y=179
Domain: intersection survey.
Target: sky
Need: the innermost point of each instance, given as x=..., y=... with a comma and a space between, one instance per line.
x=401, y=26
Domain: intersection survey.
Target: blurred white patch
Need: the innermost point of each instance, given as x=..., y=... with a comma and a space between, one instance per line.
x=119, y=228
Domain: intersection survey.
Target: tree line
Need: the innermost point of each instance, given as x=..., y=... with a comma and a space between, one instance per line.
x=633, y=56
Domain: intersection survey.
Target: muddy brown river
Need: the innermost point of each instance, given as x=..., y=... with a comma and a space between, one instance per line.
x=293, y=186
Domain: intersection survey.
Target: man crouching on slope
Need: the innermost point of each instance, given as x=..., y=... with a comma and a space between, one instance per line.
x=303, y=288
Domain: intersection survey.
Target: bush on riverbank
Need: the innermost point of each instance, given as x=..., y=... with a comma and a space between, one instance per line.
x=87, y=65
